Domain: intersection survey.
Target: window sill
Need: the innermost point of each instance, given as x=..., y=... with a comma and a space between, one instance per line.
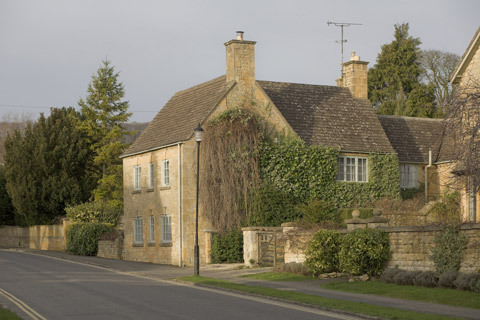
x=150, y=190
x=165, y=244
x=164, y=188
x=151, y=244
x=136, y=191
x=137, y=245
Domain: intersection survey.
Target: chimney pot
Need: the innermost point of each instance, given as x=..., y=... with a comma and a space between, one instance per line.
x=353, y=57
x=240, y=35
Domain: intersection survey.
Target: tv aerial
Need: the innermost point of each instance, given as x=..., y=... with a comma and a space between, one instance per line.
x=342, y=41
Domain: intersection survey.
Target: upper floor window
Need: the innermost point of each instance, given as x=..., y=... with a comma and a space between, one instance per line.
x=165, y=173
x=408, y=175
x=137, y=174
x=353, y=169
x=151, y=175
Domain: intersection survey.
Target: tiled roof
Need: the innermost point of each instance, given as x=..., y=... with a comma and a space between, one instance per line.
x=328, y=116
x=177, y=119
x=413, y=137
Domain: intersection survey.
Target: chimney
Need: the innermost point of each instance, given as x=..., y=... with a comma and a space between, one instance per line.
x=355, y=77
x=241, y=61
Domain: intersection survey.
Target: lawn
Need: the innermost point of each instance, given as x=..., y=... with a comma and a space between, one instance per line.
x=8, y=315
x=355, y=307
x=437, y=295
x=277, y=276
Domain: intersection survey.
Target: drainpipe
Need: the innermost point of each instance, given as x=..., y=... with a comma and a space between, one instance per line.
x=179, y=206
x=426, y=171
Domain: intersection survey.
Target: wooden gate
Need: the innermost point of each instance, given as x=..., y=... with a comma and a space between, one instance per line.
x=270, y=248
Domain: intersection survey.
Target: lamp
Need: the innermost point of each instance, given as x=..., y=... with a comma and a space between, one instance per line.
x=196, y=254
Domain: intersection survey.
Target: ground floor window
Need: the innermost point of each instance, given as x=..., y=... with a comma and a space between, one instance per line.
x=408, y=175
x=353, y=169
x=166, y=222
x=152, y=229
x=137, y=230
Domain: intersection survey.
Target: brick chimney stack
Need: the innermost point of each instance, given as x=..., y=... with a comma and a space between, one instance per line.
x=355, y=77
x=241, y=61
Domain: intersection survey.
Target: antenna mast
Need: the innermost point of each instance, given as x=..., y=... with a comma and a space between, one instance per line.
x=341, y=25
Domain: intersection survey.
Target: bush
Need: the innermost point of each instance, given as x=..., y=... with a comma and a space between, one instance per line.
x=317, y=211
x=273, y=207
x=405, y=277
x=82, y=238
x=364, y=251
x=448, y=251
x=447, y=279
x=389, y=273
x=426, y=279
x=100, y=212
x=468, y=282
x=228, y=247
x=447, y=211
x=322, y=252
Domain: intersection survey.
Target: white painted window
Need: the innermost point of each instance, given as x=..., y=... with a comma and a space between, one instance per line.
x=152, y=229
x=137, y=230
x=137, y=175
x=151, y=175
x=166, y=222
x=165, y=173
x=408, y=175
x=353, y=169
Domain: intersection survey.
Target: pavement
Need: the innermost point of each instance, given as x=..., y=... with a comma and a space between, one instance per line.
x=234, y=273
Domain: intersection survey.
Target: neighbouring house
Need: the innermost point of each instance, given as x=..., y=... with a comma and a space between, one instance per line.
x=160, y=166
x=465, y=76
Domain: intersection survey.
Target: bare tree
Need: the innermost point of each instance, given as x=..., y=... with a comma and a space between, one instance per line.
x=438, y=67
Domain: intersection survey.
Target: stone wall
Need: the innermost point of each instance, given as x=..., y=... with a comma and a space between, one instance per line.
x=42, y=237
x=111, y=249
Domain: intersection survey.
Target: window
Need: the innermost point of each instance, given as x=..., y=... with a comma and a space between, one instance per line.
x=137, y=174
x=152, y=229
x=137, y=230
x=166, y=222
x=408, y=175
x=166, y=173
x=352, y=169
x=151, y=173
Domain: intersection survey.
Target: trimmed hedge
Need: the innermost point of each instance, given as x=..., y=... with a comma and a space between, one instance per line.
x=82, y=238
x=228, y=247
x=322, y=252
x=100, y=212
x=364, y=251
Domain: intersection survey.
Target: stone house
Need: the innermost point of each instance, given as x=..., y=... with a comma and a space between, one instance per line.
x=160, y=166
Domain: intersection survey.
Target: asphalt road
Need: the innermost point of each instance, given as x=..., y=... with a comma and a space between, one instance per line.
x=39, y=287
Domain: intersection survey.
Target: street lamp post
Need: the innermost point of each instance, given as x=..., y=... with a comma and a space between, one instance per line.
x=196, y=255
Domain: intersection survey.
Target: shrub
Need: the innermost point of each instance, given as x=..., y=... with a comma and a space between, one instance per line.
x=426, y=279
x=273, y=207
x=448, y=250
x=389, y=273
x=100, y=212
x=448, y=210
x=317, y=211
x=294, y=267
x=82, y=238
x=405, y=277
x=322, y=252
x=447, y=279
x=228, y=247
x=468, y=282
x=364, y=251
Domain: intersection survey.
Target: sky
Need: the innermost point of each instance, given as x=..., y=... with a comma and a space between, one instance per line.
x=49, y=49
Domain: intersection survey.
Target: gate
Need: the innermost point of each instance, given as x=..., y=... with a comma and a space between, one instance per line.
x=271, y=248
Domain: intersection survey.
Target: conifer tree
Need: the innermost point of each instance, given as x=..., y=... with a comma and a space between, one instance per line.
x=105, y=112
x=394, y=85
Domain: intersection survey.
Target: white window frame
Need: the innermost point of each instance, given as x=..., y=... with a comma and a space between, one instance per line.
x=166, y=227
x=137, y=230
x=165, y=173
x=137, y=177
x=152, y=229
x=352, y=169
x=408, y=175
x=151, y=175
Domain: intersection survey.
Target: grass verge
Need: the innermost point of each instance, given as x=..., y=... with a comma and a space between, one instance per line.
x=355, y=307
x=8, y=315
x=437, y=295
x=277, y=276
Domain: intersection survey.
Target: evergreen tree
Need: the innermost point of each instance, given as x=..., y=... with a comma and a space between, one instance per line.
x=104, y=113
x=46, y=167
x=394, y=85
x=6, y=208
